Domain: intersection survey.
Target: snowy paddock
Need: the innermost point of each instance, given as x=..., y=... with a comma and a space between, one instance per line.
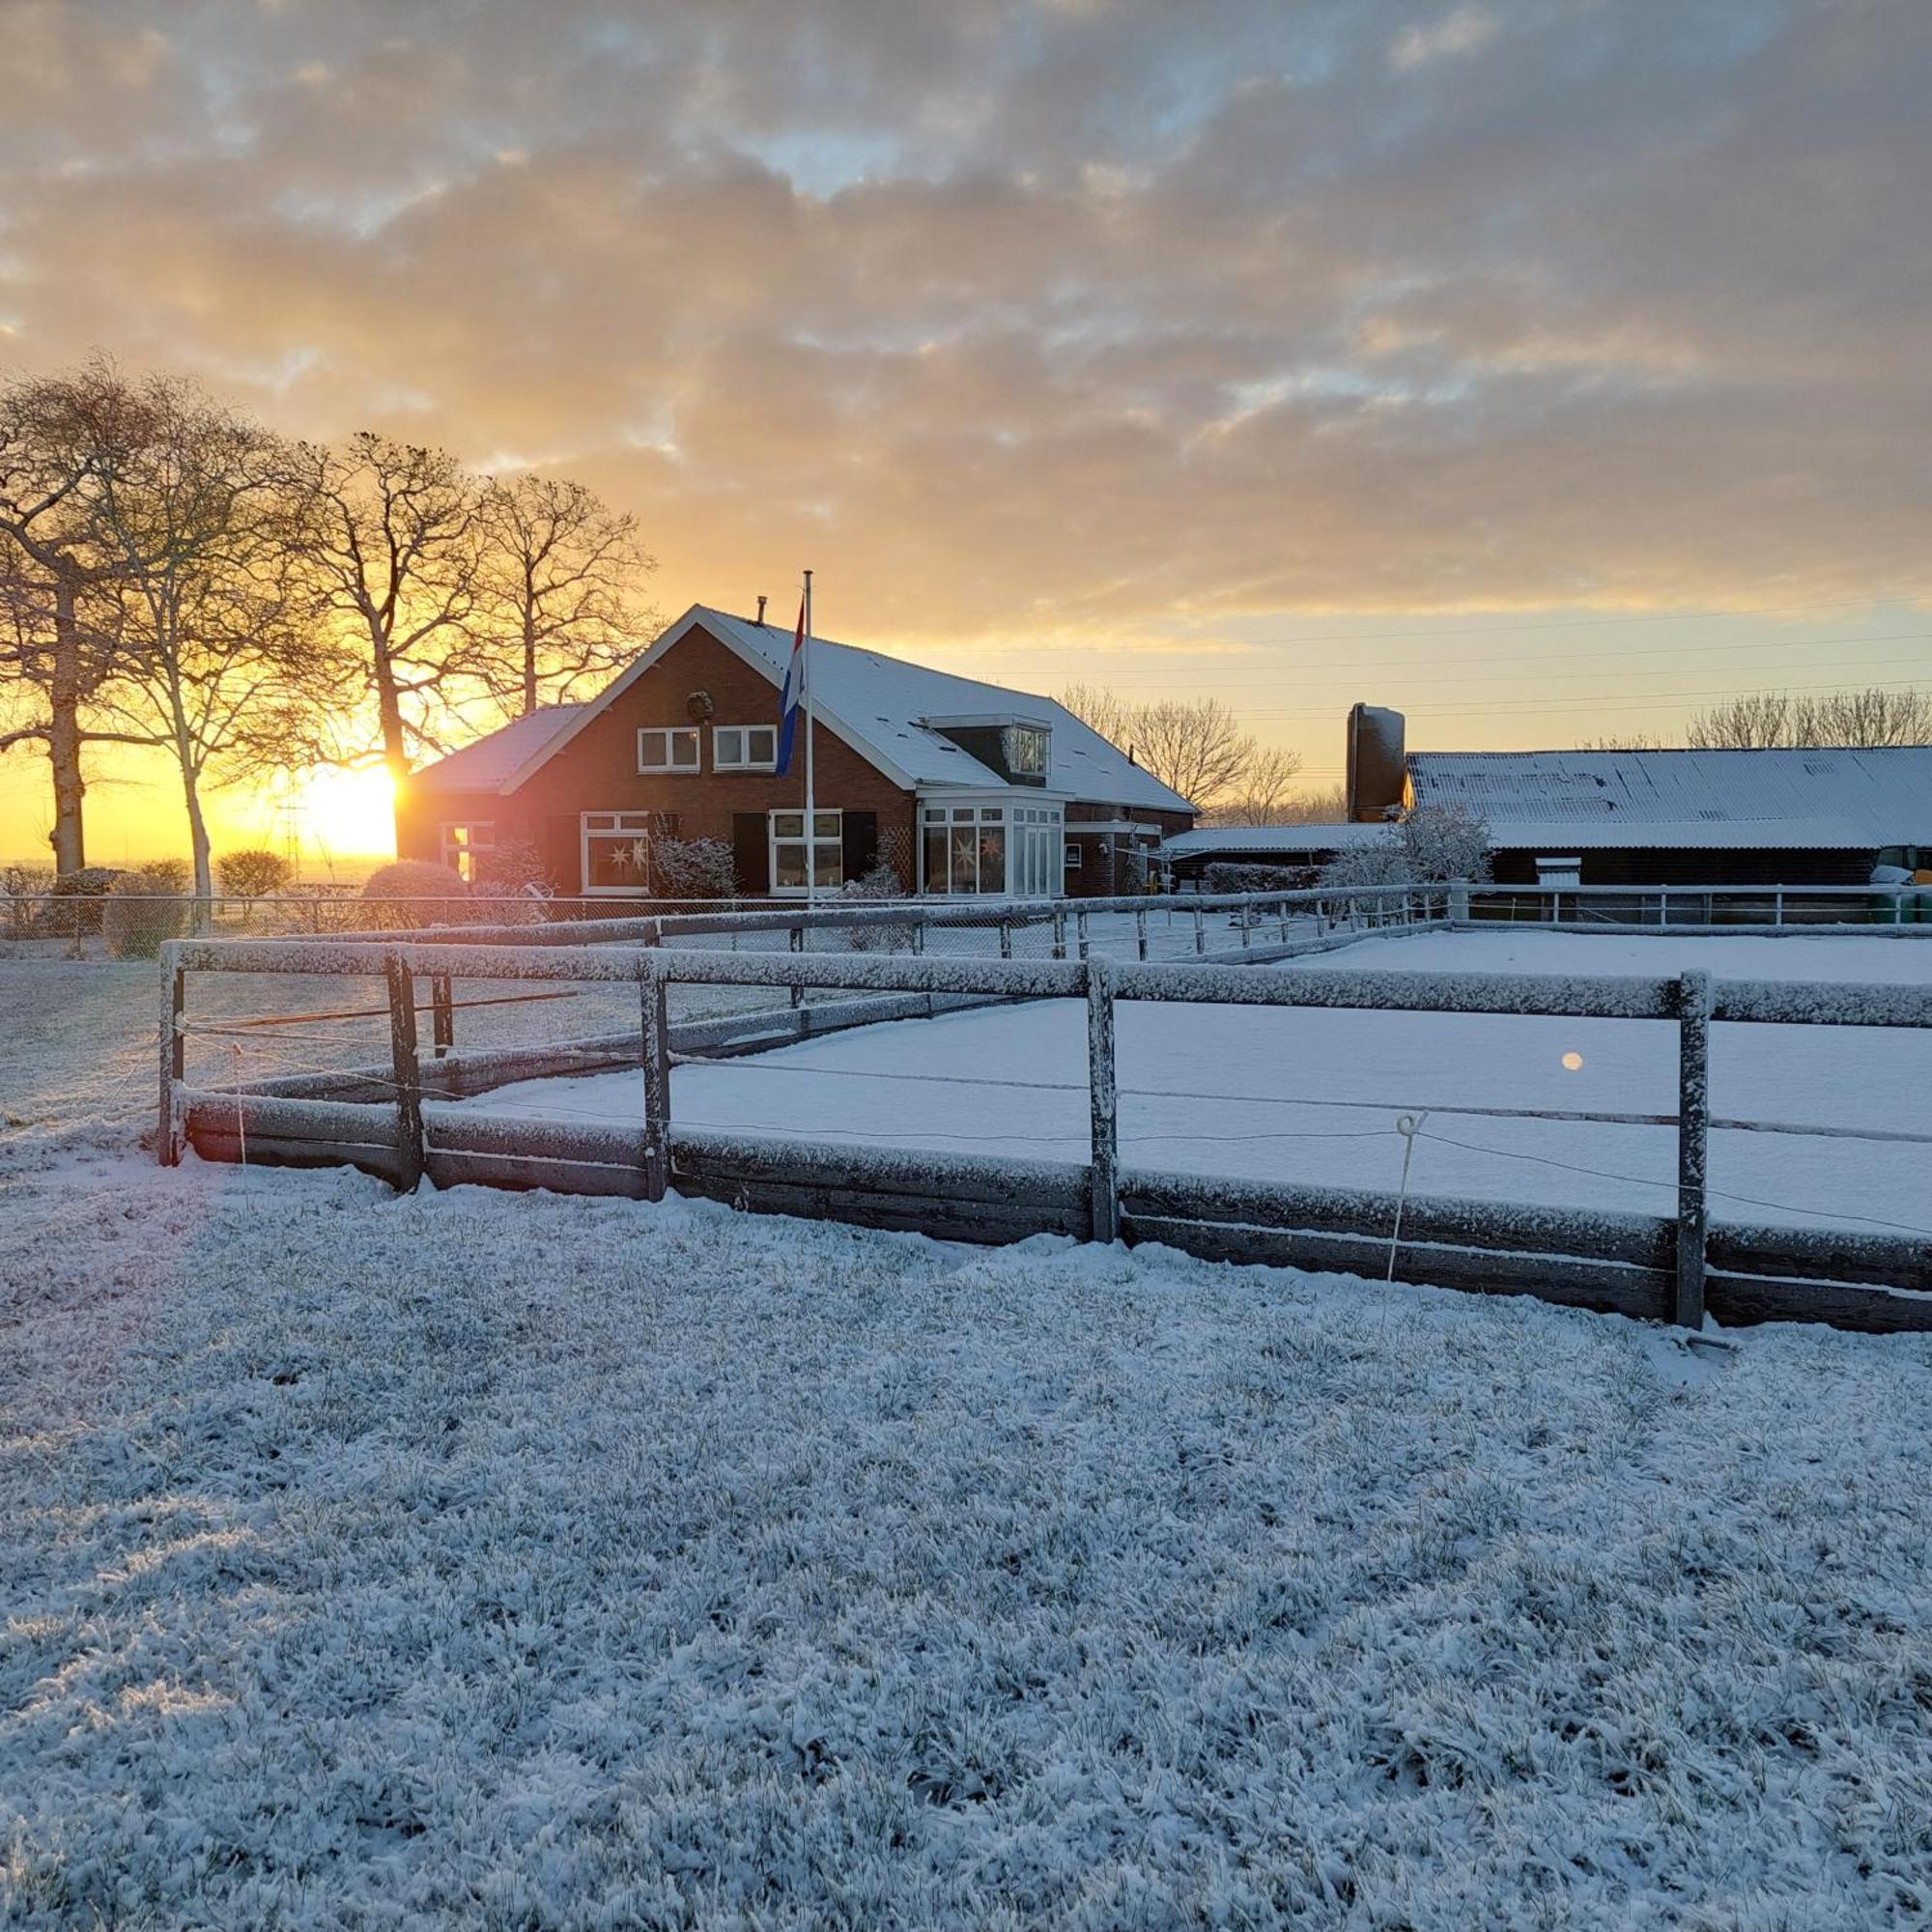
x=1312, y=1094
x=521, y=1561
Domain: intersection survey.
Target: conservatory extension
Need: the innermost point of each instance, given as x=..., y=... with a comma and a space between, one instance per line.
x=1002, y=849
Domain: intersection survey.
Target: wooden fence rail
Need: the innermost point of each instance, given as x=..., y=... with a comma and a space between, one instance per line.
x=1670, y=1268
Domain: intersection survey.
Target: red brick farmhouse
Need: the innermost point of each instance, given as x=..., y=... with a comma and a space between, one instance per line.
x=962, y=787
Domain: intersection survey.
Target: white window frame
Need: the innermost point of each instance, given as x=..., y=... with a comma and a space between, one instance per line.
x=835, y=838
x=744, y=762
x=1071, y=857
x=669, y=735
x=631, y=825
x=461, y=844
x=1032, y=833
x=1013, y=735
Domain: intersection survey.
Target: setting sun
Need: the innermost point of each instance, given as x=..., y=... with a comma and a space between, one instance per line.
x=337, y=812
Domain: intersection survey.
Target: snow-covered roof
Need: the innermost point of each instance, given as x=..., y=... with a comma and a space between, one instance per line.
x=1236, y=838
x=1800, y=799
x=486, y=764
x=880, y=706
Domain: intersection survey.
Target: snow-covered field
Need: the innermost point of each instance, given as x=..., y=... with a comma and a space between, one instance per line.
x=1313, y=1094
x=516, y=1560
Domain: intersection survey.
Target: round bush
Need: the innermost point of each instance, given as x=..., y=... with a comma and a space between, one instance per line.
x=411, y=894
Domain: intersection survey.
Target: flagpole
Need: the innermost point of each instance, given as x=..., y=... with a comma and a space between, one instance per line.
x=810, y=795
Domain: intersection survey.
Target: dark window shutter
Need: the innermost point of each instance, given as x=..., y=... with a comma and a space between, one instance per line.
x=751, y=856
x=862, y=843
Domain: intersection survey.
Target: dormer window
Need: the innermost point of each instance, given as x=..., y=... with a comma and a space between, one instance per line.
x=1026, y=748
x=1014, y=748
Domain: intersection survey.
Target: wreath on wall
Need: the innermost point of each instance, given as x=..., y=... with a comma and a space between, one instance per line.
x=697, y=707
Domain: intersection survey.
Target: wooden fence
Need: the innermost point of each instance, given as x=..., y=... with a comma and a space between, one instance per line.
x=1666, y=1267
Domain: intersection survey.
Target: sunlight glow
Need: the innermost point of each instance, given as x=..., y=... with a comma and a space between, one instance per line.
x=1574, y=1061
x=341, y=812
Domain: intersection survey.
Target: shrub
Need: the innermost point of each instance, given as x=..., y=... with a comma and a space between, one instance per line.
x=407, y=895
x=135, y=920
x=1227, y=876
x=88, y=886
x=694, y=868
x=514, y=880
x=1430, y=845
x=253, y=873
x=881, y=883
x=166, y=875
x=21, y=885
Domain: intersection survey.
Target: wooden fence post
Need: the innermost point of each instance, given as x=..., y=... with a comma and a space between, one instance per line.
x=174, y=1007
x=1005, y=939
x=1059, y=933
x=1080, y=932
x=655, y=1060
x=1459, y=902
x=1101, y=1091
x=442, y=1014
x=1693, y=1144
x=1140, y=930
x=407, y=1074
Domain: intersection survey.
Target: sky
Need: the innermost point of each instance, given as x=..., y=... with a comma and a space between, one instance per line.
x=1544, y=370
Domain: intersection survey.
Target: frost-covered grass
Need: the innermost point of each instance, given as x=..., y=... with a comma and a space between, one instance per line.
x=529, y=1562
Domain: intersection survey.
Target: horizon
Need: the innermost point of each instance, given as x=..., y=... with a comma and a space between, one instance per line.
x=1542, y=374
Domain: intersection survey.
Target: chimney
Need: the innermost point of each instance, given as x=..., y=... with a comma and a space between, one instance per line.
x=761, y=610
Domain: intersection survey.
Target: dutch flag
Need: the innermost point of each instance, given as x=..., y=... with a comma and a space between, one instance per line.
x=792, y=698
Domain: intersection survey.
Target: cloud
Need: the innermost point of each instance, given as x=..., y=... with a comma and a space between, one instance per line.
x=1018, y=318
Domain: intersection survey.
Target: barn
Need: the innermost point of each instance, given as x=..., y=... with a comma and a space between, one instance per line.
x=961, y=787
x=1819, y=818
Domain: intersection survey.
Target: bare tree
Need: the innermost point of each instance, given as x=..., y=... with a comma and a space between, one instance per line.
x=219, y=652
x=58, y=647
x=394, y=535
x=1868, y=718
x=1195, y=745
x=1108, y=712
x=1755, y=720
x=1762, y=720
x=560, y=587
x=1265, y=793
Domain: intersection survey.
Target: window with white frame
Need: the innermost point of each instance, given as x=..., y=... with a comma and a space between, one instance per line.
x=795, y=858
x=1071, y=857
x=1025, y=747
x=462, y=845
x=667, y=748
x=616, y=851
x=1007, y=850
x=744, y=748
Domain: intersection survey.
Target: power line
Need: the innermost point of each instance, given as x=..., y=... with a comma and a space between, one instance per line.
x=1611, y=700
x=1581, y=660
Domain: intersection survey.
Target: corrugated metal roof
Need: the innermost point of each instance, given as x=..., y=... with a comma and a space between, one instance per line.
x=484, y=765
x=1798, y=800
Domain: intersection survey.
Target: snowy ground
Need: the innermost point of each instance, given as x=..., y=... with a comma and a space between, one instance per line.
x=529, y=1561
x=1313, y=1094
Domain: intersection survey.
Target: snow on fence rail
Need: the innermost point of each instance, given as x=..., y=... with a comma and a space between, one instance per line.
x=1661, y=1268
